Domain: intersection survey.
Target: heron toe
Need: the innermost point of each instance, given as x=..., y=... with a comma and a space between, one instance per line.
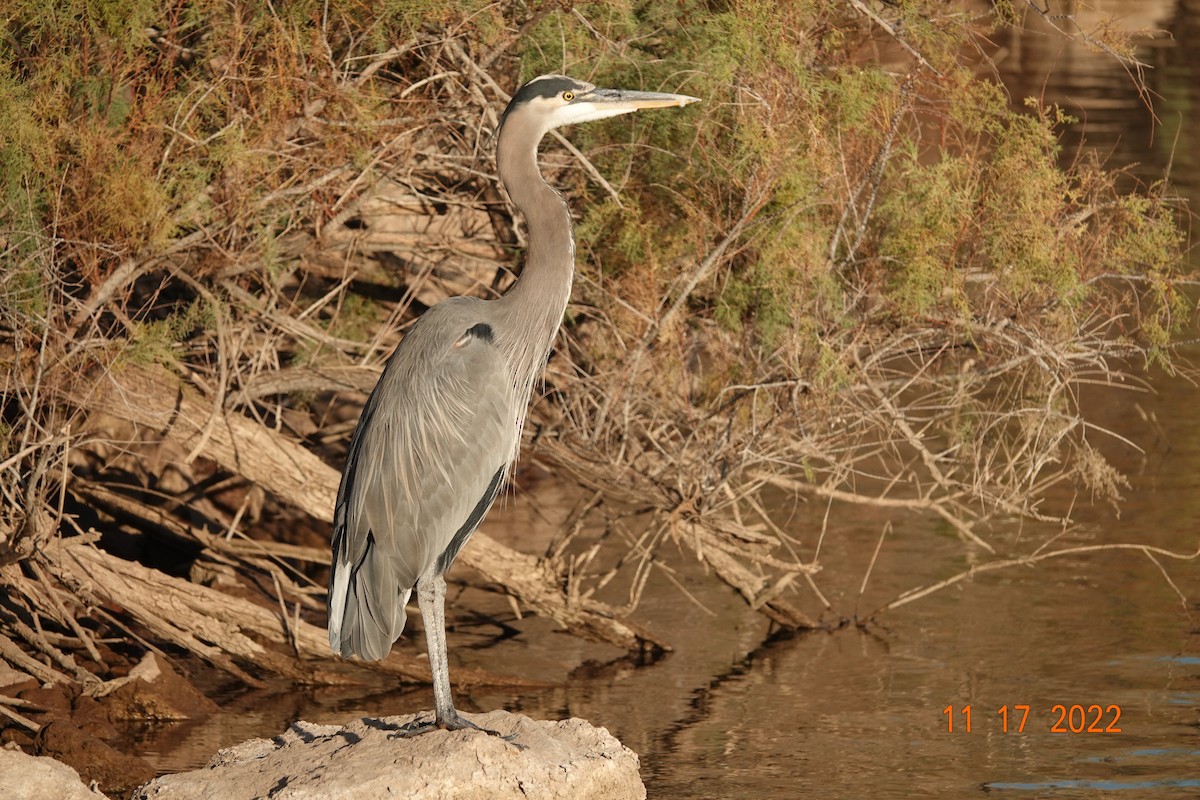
x=454, y=721
x=451, y=721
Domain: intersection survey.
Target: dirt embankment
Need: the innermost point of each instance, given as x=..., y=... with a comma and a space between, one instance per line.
x=74, y=724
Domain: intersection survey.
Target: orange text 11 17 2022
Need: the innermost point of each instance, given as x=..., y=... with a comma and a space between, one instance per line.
x=1062, y=718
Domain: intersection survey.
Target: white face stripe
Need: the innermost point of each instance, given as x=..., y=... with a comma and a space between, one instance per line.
x=558, y=113
x=584, y=112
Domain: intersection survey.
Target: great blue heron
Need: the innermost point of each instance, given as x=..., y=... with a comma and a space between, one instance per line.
x=442, y=429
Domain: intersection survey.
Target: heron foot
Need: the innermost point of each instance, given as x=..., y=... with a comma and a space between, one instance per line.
x=452, y=721
x=414, y=728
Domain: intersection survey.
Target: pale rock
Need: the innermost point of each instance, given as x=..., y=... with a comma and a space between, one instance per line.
x=568, y=760
x=26, y=777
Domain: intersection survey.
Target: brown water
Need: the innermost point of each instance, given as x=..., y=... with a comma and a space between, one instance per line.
x=1100, y=93
x=736, y=712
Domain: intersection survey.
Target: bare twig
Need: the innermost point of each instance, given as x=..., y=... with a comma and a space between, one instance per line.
x=891, y=30
x=1025, y=561
x=20, y=719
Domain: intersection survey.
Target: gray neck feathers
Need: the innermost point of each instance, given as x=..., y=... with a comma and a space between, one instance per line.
x=533, y=308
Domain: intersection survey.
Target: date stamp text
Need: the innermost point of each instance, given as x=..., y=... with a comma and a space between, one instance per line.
x=1063, y=718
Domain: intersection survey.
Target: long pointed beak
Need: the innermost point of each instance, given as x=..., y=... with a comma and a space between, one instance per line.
x=621, y=100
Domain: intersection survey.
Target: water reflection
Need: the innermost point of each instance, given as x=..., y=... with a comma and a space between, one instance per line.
x=860, y=713
x=1115, y=116
x=856, y=714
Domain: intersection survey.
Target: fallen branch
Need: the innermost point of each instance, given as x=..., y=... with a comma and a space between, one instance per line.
x=26, y=663
x=215, y=626
x=301, y=479
x=20, y=719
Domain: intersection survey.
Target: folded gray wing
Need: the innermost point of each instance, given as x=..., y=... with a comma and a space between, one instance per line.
x=426, y=461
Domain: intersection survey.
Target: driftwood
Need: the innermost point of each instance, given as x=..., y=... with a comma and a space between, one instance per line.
x=202, y=620
x=299, y=478
x=216, y=626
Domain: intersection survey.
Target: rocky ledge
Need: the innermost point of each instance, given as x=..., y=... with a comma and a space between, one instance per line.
x=26, y=777
x=568, y=759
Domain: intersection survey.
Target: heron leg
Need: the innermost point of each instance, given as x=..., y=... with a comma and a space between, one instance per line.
x=431, y=598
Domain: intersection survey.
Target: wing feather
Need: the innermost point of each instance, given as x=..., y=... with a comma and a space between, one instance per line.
x=420, y=474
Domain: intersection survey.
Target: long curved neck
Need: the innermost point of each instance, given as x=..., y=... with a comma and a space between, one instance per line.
x=534, y=306
x=545, y=283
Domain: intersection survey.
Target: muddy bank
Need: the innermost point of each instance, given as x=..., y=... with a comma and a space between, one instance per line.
x=75, y=724
x=63, y=741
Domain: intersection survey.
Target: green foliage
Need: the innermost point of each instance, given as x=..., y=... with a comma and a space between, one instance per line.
x=759, y=164
x=853, y=199
x=927, y=224
x=790, y=139
x=124, y=124
x=1143, y=237
x=157, y=341
x=1023, y=233
x=356, y=319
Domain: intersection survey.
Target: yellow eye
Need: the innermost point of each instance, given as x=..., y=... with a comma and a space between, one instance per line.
x=568, y=96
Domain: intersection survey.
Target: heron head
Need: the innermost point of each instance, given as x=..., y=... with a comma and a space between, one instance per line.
x=550, y=101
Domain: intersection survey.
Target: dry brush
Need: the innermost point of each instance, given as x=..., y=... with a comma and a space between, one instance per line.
x=182, y=389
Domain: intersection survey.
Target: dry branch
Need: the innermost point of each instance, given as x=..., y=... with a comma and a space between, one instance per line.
x=158, y=401
x=204, y=621
x=14, y=655
x=217, y=627
x=1033, y=558
x=299, y=478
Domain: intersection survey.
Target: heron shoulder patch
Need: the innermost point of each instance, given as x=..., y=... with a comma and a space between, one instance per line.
x=480, y=330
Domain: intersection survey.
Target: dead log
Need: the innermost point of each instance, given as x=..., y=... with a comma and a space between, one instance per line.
x=155, y=399
x=213, y=625
x=206, y=622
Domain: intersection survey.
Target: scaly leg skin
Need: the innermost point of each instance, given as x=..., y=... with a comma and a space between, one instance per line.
x=431, y=598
